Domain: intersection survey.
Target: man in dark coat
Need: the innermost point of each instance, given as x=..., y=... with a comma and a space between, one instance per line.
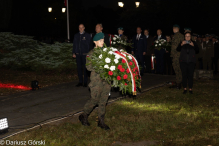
x=159, y=54
x=216, y=53
x=81, y=44
x=150, y=51
x=139, y=48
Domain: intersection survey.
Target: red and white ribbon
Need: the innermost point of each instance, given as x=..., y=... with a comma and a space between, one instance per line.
x=132, y=75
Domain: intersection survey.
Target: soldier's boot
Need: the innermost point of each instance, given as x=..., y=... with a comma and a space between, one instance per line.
x=84, y=119
x=101, y=123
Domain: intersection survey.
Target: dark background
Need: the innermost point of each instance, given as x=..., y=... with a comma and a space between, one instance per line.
x=31, y=17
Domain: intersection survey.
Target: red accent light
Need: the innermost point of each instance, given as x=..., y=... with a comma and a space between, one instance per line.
x=14, y=86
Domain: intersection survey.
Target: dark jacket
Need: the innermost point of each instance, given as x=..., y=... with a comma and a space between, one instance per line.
x=150, y=41
x=81, y=43
x=187, y=52
x=216, y=50
x=139, y=46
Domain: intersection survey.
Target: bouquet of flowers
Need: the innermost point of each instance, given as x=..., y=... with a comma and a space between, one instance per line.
x=118, y=68
x=167, y=46
x=117, y=41
x=159, y=44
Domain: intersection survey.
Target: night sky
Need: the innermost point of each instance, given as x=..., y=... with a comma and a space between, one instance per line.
x=31, y=17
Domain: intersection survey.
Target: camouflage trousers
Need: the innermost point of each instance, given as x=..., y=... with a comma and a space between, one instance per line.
x=99, y=96
x=176, y=67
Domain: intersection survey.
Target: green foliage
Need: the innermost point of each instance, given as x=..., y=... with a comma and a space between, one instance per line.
x=23, y=52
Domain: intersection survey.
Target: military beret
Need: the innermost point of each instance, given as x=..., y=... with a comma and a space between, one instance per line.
x=98, y=36
x=176, y=25
x=187, y=28
x=120, y=28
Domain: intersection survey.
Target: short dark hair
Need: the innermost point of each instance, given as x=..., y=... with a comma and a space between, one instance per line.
x=101, y=25
x=81, y=24
x=146, y=29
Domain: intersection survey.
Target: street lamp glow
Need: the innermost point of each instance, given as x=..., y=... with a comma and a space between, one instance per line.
x=137, y=4
x=121, y=4
x=63, y=10
x=50, y=9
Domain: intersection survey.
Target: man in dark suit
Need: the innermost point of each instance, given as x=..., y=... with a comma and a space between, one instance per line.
x=159, y=54
x=98, y=29
x=81, y=44
x=139, y=48
x=150, y=51
x=216, y=53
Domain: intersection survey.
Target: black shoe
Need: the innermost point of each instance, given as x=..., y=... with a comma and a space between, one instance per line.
x=185, y=91
x=79, y=84
x=83, y=118
x=85, y=84
x=101, y=123
x=190, y=92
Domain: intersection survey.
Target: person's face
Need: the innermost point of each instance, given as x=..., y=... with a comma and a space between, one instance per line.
x=146, y=32
x=207, y=38
x=99, y=43
x=139, y=30
x=120, y=31
x=203, y=39
x=159, y=32
x=81, y=28
x=98, y=28
x=187, y=37
x=168, y=39
x=195, y=38
x=175, y=29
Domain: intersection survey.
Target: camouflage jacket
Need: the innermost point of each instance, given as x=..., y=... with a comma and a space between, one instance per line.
x=94, y=77
x=177, y=38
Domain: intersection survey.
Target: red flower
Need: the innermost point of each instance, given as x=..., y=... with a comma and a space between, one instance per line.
x=125, y=76
x=126, y=84
x=127, y=70
x=110, y=73
x=118, y=78
x=123, y=60
x=137, y=77
x=130, y=63
x=119, y=66
x=122, y=69
x=134, y=69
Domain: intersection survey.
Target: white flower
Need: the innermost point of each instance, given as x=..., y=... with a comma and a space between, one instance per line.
x=155, y=45
x=110, y=52
x=112, y=68
x=104, y=49
x=124, y=54
x=116, y=61
x=157, y=42
x=111, y=42
x=130, y=57
x=114, y=42
x=100, y=56
x=106, y=66
x=117, y=57
x=121, y=50
x=118, y=41
x=107, y=60
x=114, y=38
x=164, y=40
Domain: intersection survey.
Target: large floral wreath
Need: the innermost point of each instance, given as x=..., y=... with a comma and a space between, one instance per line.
x=118, y=68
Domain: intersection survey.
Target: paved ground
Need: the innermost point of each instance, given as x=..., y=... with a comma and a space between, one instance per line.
x=36, y=106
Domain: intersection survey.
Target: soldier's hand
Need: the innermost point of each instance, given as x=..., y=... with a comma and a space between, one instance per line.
x=144, y=53
x=74, y=56
x=192, y=44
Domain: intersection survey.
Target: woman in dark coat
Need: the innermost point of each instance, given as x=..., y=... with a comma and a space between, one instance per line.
x=188, y=49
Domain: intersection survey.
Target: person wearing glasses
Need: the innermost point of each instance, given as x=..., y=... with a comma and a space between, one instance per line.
x=188, y=50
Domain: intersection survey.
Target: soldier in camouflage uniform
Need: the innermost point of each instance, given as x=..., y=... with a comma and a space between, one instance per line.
x=177, y=38
x=123, y=37
x=99, y=88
